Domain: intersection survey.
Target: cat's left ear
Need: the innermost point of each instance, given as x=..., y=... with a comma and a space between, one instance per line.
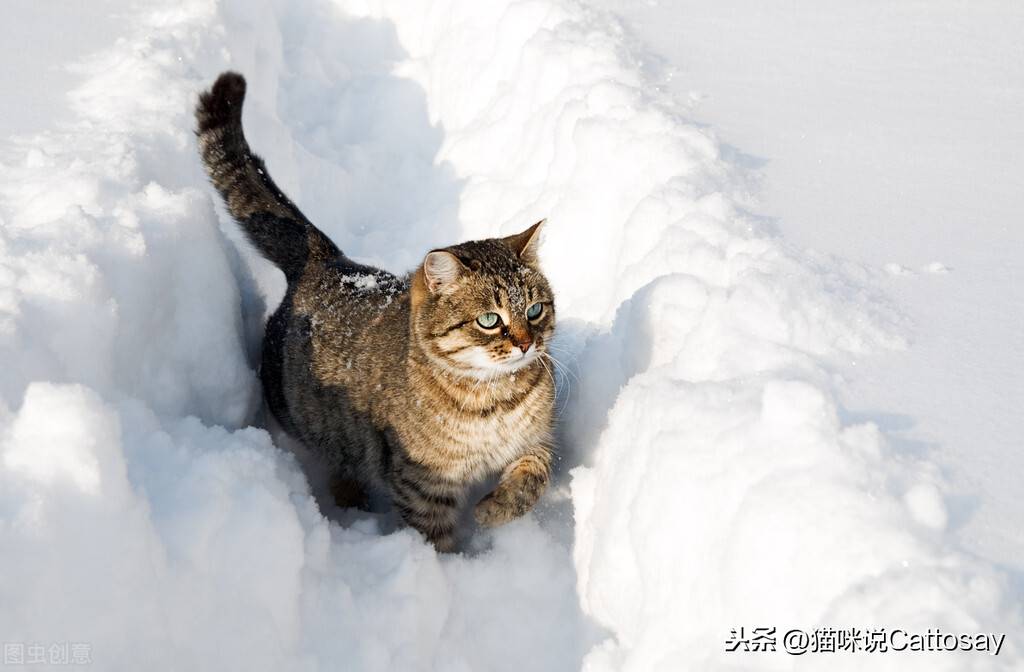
x=525, y=244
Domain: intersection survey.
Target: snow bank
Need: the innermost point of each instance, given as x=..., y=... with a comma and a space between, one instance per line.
x=714, y=483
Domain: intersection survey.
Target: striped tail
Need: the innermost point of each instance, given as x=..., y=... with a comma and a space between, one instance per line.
x=270, y=220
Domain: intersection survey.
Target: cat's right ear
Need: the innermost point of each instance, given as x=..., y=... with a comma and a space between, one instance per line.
x=441, y=269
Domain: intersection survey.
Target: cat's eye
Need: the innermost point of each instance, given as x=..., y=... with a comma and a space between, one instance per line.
x=488, y=320
x=534, y=311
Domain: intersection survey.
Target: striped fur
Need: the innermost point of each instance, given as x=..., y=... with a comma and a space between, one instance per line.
x=392, y=380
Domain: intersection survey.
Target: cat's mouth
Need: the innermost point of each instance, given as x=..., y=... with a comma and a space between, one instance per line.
x=517, y=359
x=485, y=365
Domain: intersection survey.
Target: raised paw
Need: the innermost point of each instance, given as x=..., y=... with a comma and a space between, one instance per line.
x=495, y=509
x=519, y=489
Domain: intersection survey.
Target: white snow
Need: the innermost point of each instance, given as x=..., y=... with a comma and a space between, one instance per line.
x=888, y=133
x=708, y=479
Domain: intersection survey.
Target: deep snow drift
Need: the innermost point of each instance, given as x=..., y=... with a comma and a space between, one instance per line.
x=706, y=482
x=890, y=135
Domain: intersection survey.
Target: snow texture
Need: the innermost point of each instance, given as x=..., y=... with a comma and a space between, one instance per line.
x=706, y=481
x=887, y=133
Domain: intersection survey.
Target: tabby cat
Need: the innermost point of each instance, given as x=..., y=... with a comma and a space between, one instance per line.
x=417, y=387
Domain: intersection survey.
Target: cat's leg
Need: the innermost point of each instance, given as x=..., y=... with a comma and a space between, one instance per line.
x=521, y=485
x=430, y=507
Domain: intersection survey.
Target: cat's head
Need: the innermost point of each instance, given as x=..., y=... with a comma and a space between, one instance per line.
x=484, y=307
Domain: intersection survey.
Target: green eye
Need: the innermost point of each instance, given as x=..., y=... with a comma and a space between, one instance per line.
x=534, y=311
x=488, y=320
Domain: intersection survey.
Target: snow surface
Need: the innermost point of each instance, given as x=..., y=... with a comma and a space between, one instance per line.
x=707, y=480
x=889, y=133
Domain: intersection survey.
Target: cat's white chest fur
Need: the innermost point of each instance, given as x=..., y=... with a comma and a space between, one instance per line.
x=487, y=445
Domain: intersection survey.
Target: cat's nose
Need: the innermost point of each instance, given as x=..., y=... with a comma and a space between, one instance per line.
x=524, y=345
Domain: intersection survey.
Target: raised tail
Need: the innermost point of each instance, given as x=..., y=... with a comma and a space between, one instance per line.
x=270, y=220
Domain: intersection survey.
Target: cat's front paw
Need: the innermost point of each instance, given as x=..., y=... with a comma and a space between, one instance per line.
x=518, y=491
x=495, y=509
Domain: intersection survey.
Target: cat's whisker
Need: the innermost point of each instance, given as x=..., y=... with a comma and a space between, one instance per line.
x=551, y=375
x=564, y=391
x=562, y=367
x=570, y=353
x=566, y=350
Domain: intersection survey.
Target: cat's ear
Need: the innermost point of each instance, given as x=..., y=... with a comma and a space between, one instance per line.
x=525, y=244
x=441, y=269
